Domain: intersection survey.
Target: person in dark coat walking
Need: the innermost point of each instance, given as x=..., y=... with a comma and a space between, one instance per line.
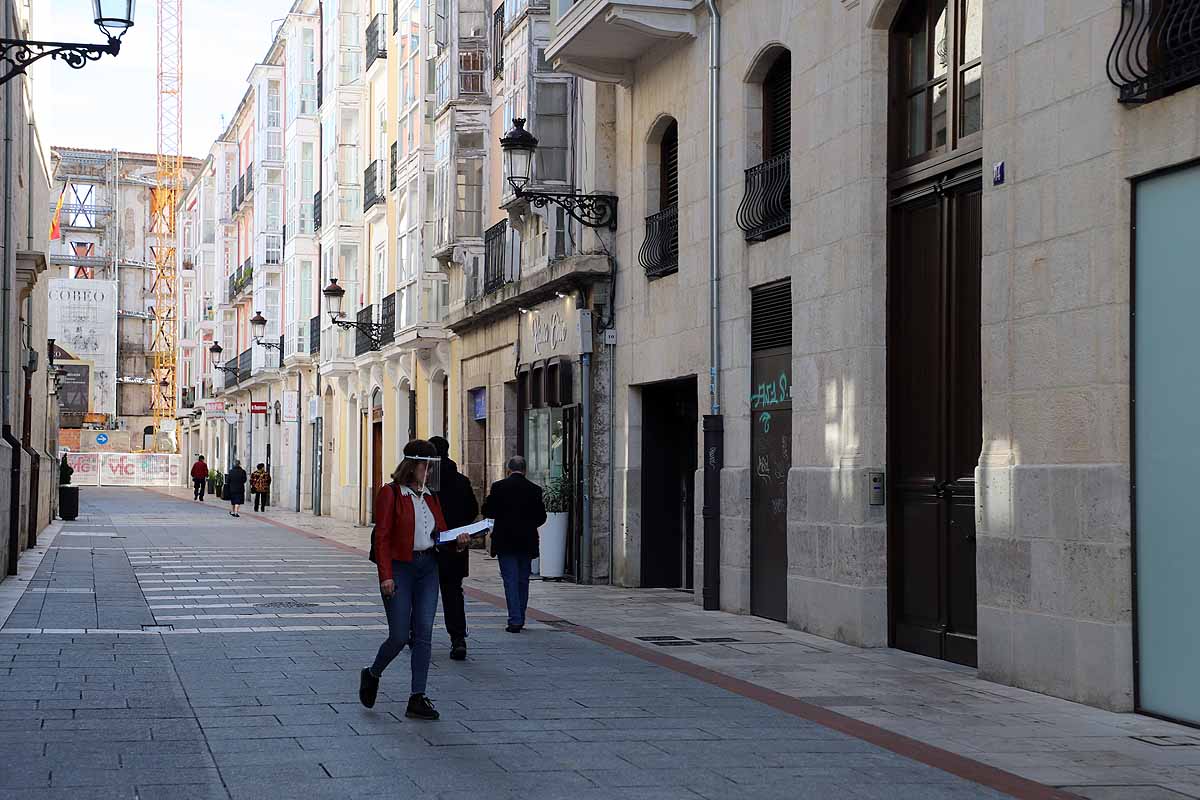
x=235, y=488
x=516, y=505
x=460, y=507
x=199, y=476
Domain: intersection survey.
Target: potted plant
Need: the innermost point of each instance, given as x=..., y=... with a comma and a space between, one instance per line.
x=553, y=535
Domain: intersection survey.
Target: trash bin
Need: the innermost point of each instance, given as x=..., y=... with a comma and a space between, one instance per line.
x=552, y=542
x=68, y=502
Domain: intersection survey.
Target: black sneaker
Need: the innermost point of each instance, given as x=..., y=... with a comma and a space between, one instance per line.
x=368, y=687
x=458, y=650
x=513, y=628
x=419, y=707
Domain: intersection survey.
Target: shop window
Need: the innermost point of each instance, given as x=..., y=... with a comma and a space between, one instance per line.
x=537, y=393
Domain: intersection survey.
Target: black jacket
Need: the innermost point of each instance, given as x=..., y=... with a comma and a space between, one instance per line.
x=515, y=503
x=235, y=486
x=459, y=507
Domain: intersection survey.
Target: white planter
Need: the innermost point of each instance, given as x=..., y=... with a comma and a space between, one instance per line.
x=553, y=545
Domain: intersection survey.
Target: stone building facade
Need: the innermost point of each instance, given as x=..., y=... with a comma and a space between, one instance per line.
x=942, y=194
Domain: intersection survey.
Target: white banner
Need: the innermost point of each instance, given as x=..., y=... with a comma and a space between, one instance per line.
x=87, y=468
x=83, y=323
x=291, y=406
x=139, y=469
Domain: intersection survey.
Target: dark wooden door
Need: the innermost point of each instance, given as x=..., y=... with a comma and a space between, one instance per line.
x=935, y=418
x=669, y=447
x=376, y=462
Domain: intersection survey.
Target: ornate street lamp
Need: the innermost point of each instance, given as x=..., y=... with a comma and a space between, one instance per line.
x=217, y=366
x=334, y=297
x=258, y=326
x=520, y=146
x=112, y=17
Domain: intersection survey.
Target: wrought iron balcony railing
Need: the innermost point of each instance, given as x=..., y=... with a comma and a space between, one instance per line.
x=1157, y=49
x=388, y=319
x=249, y=180
x=314, y=335
x=495, y=251
x=766, y=208
x=393, y=165
x=660, y=251
x=376, y=39
x=362, y=342
x=317, y=211
x=372, y=185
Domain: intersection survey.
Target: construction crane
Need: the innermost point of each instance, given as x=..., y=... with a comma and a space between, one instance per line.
x=169, y=178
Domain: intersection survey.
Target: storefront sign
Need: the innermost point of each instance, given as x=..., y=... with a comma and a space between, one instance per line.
x=258, y=406
x=549, y=330
x=214, y=406
x=291, y=406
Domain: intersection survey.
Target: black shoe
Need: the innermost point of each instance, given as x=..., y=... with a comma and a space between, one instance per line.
x=458, y=650
x=419, y=707
x=514, y=628
x=368, y=687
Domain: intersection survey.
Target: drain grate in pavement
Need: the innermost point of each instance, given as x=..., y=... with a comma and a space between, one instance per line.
x=1169, y=741
x=159, y=628
x=716, y=639
x=659, y=639
x=680, y=643
x=285, y=604
x=560, y=624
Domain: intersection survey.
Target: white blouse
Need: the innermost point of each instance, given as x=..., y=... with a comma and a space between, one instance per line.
x=424, y=523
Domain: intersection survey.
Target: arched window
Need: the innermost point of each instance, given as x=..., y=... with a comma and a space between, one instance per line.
x=766, y=208
x=660, y=251
x=938, y=100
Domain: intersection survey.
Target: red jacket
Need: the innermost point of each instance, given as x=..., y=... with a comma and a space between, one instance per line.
x=199, y=471
x=395, y=521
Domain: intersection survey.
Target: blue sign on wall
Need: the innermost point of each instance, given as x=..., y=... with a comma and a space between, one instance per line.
x=101, y=438
x=479, y=404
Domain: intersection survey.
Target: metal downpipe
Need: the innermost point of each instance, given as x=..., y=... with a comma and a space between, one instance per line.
x=713, y=425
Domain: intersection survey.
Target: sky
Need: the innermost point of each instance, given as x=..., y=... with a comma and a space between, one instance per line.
x=113, y=102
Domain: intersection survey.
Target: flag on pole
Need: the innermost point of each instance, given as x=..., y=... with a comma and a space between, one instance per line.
x=55, y=231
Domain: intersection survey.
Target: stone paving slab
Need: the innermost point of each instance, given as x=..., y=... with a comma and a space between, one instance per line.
x=108, y=701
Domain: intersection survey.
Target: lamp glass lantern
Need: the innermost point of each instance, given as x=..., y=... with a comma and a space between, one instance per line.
x=519, y=146
x=334, y=296
x=258, y=325
x=114, y=17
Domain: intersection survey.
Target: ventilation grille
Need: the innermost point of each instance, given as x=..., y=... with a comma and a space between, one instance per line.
x=771, y=316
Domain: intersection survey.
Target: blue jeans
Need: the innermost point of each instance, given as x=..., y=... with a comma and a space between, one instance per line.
x=514, y=569
x=410, y=612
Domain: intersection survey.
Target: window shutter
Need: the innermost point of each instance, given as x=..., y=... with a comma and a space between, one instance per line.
x=777, y=107
x=771, y=316
x=669, y=165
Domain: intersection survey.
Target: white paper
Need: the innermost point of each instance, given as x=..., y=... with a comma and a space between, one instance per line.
x=474, y=529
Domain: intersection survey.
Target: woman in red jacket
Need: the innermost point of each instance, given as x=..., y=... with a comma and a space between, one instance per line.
x=408, y=519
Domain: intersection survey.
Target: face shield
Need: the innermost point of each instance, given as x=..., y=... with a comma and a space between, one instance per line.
x=428, y=473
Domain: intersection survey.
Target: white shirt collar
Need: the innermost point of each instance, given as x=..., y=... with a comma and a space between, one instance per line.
x=409, y=491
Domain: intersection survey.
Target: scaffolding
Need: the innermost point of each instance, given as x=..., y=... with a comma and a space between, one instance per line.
x=166, y=194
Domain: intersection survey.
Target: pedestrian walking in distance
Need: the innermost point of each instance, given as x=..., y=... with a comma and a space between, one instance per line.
x=260, y=487
x=459, y=506
x=515, y=504
x=235, y=488
x=408, y=518
x=199, y=478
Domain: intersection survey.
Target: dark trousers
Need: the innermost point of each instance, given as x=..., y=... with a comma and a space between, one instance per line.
x=514, y=570
x=450, y=577
x=198, y=488
x=410, y=612
x=260, y=501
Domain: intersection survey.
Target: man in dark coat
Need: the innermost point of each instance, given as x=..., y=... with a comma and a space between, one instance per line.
x=235, y=488
x=459, y=507
x=515, y=504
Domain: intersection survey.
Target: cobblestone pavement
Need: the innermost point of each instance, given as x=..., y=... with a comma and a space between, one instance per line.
x=162, y=648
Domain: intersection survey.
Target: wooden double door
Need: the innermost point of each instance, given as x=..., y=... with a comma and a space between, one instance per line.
x=935, y=419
